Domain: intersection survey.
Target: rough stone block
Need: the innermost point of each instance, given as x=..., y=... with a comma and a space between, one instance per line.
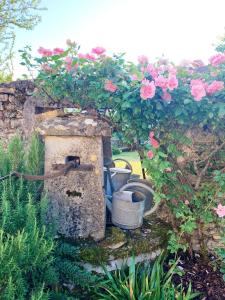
x=16, y=123
x=7, y=90
x=76, y=200
x=4, y=97
x=1, y=114
x=11, y=98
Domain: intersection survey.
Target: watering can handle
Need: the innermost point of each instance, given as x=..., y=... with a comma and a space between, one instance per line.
x=113, y=174
x=139, y=184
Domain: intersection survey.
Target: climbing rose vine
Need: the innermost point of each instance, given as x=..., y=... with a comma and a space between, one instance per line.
x=173, y=115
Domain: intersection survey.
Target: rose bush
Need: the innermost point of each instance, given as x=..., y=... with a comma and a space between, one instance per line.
x=174, y=115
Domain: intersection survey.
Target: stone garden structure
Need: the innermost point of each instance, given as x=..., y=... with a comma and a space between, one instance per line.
x=78, y=196
x=76, y=199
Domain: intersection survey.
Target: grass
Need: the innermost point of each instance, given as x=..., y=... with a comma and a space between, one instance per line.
x=133, y=158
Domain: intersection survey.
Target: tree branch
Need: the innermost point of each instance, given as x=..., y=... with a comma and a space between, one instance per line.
x=212, y=153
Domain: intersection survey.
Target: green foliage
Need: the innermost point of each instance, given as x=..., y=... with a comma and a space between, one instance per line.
x=116, y=150
x=67, y=256
x=25, y=252
x=220, y=179
x=180, y=168
x=221, y=254
x=5, y=77
x=94, y=254
x=83, y=85
x=33, y=265
x=14, y=14
x=220, y=47
x=141, y=282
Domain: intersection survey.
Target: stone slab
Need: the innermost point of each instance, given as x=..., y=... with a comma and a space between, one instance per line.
x=75, y=125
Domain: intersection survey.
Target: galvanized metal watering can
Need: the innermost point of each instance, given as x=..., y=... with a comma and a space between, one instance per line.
x=127, y=201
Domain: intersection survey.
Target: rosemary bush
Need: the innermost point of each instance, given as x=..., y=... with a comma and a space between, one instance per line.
x=33, y=264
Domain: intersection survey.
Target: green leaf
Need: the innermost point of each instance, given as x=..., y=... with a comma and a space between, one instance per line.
x=187, y=101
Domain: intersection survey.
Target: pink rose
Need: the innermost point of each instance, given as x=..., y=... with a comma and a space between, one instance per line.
x=217, y=59
x=68, y=60
x=90, y=57
x=186, y=202
x=45, y=52
x=214, y=87
x=166, y=96
x=81, y=56
x=172, y=70
x=147, y=90
x=69, y=64
x=152, y=71
x=46, y=68
x=162, y=68
x=150, y=154
x=70, y=67
x=220, y=210
x=172, y=82
x=58, y=51
x=86, y=56
x=153, y=141
x=198, y=89
x=161, y=82
x=110, y=87
x=98, y=50
x=142, y=59
x=151, y=134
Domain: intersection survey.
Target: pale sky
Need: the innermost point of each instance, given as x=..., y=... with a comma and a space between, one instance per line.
x=177, y=29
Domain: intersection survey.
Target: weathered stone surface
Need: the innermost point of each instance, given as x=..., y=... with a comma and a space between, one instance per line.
x=144, y=244
x=5, y=90
x=17, y=102
x=4, y=97
x=77, y=200
x=76, y=125
x=16, y=123
x=115, y=264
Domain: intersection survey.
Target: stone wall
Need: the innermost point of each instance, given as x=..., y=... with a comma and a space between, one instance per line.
x=19, y=107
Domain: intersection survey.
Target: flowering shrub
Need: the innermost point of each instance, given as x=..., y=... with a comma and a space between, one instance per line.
x=182, y=107
x=87, y=79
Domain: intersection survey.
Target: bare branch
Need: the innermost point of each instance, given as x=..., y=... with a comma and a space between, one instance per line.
x=212, y=153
